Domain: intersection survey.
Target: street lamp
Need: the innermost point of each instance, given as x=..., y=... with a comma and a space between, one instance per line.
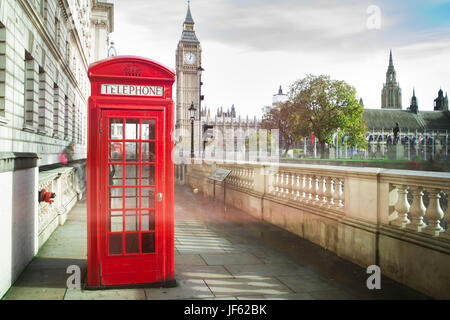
x=200, y=98
x=192, y=116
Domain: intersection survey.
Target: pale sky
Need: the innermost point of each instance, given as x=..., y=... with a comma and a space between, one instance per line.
x=251, y=47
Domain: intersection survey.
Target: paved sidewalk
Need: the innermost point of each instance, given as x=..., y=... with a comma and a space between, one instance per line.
x=219, y=255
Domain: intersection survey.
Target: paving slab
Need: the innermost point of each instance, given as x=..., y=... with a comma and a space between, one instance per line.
x=231, y=259
x=247, y=287
x=189, y=260
x=119, y=294
x=300, y=283
x=35, y=293
x=186, y=289
x=290, y=296
x=201, y=272
x=265, y=270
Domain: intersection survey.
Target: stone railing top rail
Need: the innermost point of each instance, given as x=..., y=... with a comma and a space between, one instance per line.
x=437, y=179
x=45, y=176
x=13, y=161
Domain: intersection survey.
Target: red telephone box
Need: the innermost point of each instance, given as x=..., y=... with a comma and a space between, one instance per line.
x=130, y=185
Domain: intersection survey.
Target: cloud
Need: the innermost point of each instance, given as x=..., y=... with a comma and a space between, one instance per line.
x=268, y=43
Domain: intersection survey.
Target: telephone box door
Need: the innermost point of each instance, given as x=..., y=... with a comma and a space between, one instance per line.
x=132, y=197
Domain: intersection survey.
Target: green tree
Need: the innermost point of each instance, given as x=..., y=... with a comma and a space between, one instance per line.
x=321, y=106
x=282, y=118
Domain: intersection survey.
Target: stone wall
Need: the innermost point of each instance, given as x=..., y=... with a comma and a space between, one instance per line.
x=18, y=215
x=45, y=50
x=365, y=215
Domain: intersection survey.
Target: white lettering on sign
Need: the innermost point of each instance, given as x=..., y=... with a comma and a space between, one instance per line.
x=132, y=90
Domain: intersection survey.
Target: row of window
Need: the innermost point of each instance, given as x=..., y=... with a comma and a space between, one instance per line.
x=57, y=34
x=48, y=110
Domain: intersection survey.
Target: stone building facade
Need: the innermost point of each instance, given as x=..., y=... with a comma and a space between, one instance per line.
x=45, y=49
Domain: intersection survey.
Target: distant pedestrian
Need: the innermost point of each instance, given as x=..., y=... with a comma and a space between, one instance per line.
x=68, y=155
x=396, y=131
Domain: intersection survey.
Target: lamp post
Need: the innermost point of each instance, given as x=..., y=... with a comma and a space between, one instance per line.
x=200, y=98
x=192, y=110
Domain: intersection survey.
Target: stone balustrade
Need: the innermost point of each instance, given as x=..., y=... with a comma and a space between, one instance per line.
x=396, y=219
x=64, y=183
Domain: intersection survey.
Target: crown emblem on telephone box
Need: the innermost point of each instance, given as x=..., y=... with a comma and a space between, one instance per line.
x=133, y=71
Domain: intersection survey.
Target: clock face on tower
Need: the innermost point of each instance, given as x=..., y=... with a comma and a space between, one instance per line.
x=190, y=58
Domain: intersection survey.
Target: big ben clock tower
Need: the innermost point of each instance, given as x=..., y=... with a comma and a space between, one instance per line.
x=188, y=60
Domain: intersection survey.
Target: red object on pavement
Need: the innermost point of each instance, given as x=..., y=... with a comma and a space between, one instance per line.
x=130, y=173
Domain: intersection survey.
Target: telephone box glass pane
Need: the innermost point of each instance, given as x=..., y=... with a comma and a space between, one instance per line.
x=131, y=175
x=148, y=175
x=115, y=175
x=115, y=152
x=115, y=198
x=132, y=152
x=148, y=129
x=116, y=129
x=148, y=198
x=148, y=152
x=148, y=242
x=131, y=223
x=131, y=198
x=116, y=223
x=131, y=243
x=148, y=221
x=115, y=244
x=132, y=129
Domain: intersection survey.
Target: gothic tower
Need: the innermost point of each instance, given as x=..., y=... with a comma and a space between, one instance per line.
x=441, y=102
x=188, y=60
x=414, y=106
x=391, y=95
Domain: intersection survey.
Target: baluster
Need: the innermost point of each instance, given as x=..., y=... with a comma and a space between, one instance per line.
x=296, y=187
x=402, y=207
x=300, y=187
x=316, y=196
x=247, y=178
x=339, y=193
x=319, y=190
x=446, y=234
x=417, y=210
x=327, y=192
x=275, y=183
x=281, y=185
x=331, y=193
x=287, y=178
x=434, y=214
x=241, y=178
x=292, y=192
x=304, y=187
x=310, y=184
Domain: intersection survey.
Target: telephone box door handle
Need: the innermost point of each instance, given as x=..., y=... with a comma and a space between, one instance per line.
x=160, y=197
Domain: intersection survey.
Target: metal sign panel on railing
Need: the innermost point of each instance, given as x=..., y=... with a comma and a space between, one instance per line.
x=220, y=175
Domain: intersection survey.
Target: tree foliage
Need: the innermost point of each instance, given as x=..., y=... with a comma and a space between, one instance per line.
x=321, y=107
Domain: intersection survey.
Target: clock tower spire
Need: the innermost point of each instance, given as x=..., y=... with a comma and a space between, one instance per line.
x=188, y=61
